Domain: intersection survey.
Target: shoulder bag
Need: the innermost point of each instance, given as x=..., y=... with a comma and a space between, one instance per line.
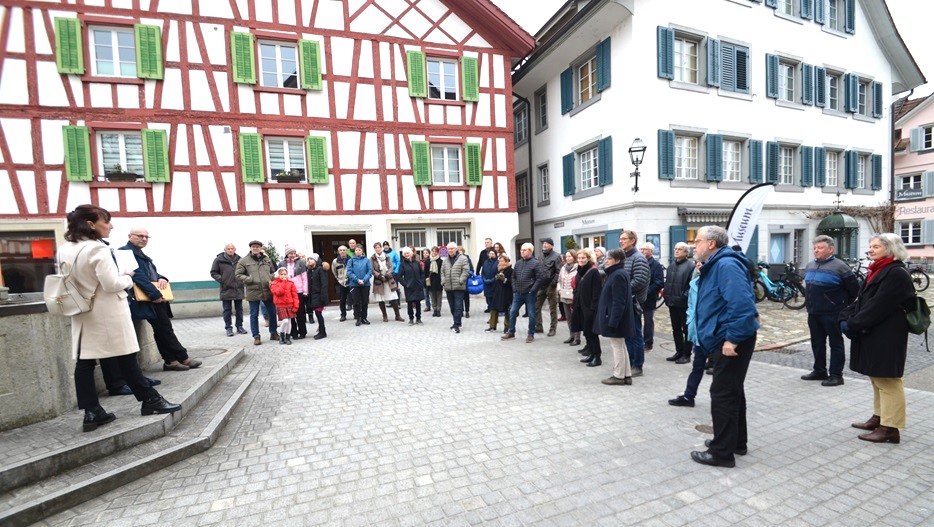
x=62, y=297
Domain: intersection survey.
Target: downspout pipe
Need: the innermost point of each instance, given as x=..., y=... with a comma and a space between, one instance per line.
x=528, y=180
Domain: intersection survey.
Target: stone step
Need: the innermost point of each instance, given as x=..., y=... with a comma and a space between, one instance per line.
x=197, y=433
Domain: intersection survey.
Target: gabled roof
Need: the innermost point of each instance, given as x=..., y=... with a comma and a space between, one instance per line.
x=907, y=74
x=903, y=109
x=494, y=25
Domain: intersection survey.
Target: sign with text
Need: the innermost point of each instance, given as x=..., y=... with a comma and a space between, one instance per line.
x=908, y=193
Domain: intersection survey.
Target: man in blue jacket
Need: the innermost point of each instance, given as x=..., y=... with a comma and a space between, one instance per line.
x=726, y=326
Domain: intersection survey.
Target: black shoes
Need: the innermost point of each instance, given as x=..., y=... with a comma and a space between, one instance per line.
x=587, y=358
x=343, y=318
x=681, y=401
x=569, y=340
x=158, y=405
x=684, y=359
x=96, y=417
x=674, y=357
x=123, y=390
x=359, y=322
x=833, y=380
x=637, y=372
x=366, y=322
x=230, y=332
x=241, y=331
x=738, y=451
x=706, y=458
x=594, y=362
x=320, y=335
x=814, y=376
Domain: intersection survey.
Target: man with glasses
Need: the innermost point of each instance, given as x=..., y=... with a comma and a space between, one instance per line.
x=637, y=267
x=726, y=321
x=156, y=311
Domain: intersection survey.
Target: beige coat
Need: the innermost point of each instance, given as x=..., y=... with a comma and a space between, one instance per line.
x=107, y=329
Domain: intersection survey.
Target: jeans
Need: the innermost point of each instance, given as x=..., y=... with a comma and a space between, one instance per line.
x=636, y=346
x=414, y=310
x=518, y=299
x=237, y=307
x=696, y=375
x=728, y=399
x=255, y=306
x=427, y=297
x=299, y=327
x=824, y=327
x=456, y=303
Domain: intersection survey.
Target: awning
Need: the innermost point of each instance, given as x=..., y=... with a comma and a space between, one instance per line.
x=704, y=216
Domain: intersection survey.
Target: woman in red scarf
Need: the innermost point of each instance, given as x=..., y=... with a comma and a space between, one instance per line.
x=878, y=334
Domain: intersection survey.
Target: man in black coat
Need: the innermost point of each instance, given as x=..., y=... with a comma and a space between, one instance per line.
x=677, y=285
x=231, y=290
x=527, y=278
x=551, y=266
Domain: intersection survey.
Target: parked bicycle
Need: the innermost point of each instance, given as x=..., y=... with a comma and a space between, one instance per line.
x=860, y=268
x=660, y=301
x=788, y=289
x=919, y=277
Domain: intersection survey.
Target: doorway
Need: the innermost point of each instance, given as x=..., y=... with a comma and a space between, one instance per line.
x=326, y=245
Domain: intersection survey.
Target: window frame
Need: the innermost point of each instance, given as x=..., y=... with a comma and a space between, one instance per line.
x=839, y=165
x=522, y=192
x=678, y=67
x=115, y=62
x=786, y=164
x=278, y=45
x=927, y=137
x=288, y=169
x=678, y=149
x=457, y=78
x=915, y=185
x=786, y=65
x=914, y=229
x=447, y=147
x=541, y=106
x=544, y=184
x=863, y=96
x=589, y=60
x=742, y=164
x=863, y=164
x=121, y=133
x=520, y=118
x=785, y=7
x=593, y=175
x=837, y=76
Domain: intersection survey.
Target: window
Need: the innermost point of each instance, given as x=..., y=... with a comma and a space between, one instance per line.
x=833, y=168
x=522, y=192
x=411, y=238
x=685, y=60
x=685, y=157
x=544, y=193
x=862, y=101
x=835, y=14
x=286, y=157
x=587, y=80
x=786, y=7
x=442, y=79
x=589, y=169
x=541, y=104
x=446, y=164
x=278, y=65
x=912, y=182
x=862, y=165
x=27, y=257
x=446, y=236
x=114, y=51
x=786, y=165
x=910, y=231
x=927, y=137
x=121, y=153
x=521, y=122
x=786, y=81
x=732, y=161
x=834, y=100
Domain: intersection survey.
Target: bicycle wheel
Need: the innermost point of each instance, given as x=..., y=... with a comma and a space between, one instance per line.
x=759, y=289
x=920, y=279
x=796, y=299
x=661, y=300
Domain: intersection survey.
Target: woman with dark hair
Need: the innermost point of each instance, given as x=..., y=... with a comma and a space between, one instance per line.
x=413, y=282
x=498, y=247
x=317, y=275
x=501, y=294
x=584, y=307
x=106, y=332
x=615, y=317
x=488, y=273
x=433, y=279
x=424, y=263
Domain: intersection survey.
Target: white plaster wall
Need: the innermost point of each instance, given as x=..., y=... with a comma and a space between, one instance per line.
x=18, y=134
x=181, y=151
x=172, y=87
x=349, y=149
x=182, y=200
x=128, y=95
x=286, y=11
x=171, y=46
x=52, y=89
x=27, y=184
x=349, y=191
x=200, y=92
x=13, y=81
x=371, y=192
x=53, y=181
x=215, y=39
x=135, y=200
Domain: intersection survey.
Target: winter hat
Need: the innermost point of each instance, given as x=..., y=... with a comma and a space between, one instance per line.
x=289, y=249
x=314, y=256
x=549, y=241
x=256, y=242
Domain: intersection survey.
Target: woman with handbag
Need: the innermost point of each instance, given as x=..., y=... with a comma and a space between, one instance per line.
x=878, y=333
x=106, y=332
x=566, y=283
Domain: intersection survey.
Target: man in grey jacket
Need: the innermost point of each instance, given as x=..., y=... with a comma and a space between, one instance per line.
x=527, y=278
x=638, y=268
x=255, y=271
x=455, y=270
x=551, y=266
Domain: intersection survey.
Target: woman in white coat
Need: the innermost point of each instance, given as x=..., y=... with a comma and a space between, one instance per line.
x=106, y=332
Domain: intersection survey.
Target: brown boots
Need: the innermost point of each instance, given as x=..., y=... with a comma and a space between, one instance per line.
x=871, y=424
x=878, y=433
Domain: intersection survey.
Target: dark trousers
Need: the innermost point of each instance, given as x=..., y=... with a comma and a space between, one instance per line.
x=343, y=293
x=319, y=316
x=728, y=399
x=361, y=301
x=113, y=375
x=270, y=312
x=427, y=297
x=648, y=328
x=129, y=370
x=237, y=307
x=636, y=346
x=299, y=328
x=679, y=329
x=593, y=342
x=696, y=375
x=415, y=310
x=169, y=346
x=456, y=304
x=824, y=327
x=435, y=299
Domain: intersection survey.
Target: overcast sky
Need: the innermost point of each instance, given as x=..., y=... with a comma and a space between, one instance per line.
x=912, y=18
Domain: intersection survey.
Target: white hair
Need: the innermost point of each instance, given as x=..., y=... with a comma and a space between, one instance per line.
x=647, y=245
x=682, y=245
x=529, y=246
x=406, y=251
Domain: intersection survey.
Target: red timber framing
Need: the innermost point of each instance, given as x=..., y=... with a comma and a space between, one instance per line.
x=168, y=104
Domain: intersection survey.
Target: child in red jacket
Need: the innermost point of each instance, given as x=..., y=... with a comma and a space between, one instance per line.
x=285, y=297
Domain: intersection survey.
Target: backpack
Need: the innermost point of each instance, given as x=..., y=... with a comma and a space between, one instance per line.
x=62, y=296
x=919, y=319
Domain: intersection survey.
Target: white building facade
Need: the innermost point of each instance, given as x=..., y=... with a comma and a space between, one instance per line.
x=725, y=94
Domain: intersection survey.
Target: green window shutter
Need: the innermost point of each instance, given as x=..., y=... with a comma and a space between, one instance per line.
x=877, y=99
x=713, y=62
x=850, y=160
x=156, y=156
x=418, y=75
x=251, y=158
x=77, y=153
x=666, y=154
x=69, y=51
x=807, y=166
x=567, y=165
x=148, y=51
x=474, y=164
x=820, y=86
x=771, y=76
x=807, y=83
x=317, y=147
x=771, y=167
x=244, y=58
x=665, y=38
x=755, y=161
x=876, y=172
x=603, y=65
x=309, y=52
x=605, y=161
x=421, y=162
x=471, y=79
x=567, y=91
x=714, y=157
x=820, y=166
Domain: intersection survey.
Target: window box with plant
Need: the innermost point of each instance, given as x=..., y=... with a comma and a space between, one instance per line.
x=118, y=173
x=290, y=176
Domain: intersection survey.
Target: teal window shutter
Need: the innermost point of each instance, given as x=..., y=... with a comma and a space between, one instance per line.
x=251, y=158
x=612, y=239
x=713, y=62
x=676, y=233
x=603, y=64
x=877, y=99
x=916, y=140
x=771, y=76
x=741, y=60
x=309, y=52
x=605, y=160
x=752, y=252
x=819, y=12
x=807, y=9
x=148, y=51
x=77, y=153
x=471, y=79
x=849, y=22
x=755, y=161
x=807, y=166
x=820, y=166
x=317, y=149
x=876, y=172
x=156, y=156
x=851, y=92
x=417, y=71
x=666, y=52
x=727, y=65
x=243, y=56
x=567, y=91
x=666, y=154
x=820, y=86
x=421, y=162
x=807, y=83
x=69, y=51
x=849, y=177
x=567, y=165
x=714, y=157
x=771, y=154
x=772, y=3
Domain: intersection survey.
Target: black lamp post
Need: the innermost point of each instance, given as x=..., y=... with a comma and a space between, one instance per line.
x=636, y=153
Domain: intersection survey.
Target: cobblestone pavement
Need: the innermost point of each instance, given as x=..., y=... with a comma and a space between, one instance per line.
x=395, y=425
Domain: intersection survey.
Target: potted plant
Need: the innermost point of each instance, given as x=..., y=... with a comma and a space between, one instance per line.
x=288, y=177
x=116, y=173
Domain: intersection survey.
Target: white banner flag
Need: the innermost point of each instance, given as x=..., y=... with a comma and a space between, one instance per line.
x=745, y=215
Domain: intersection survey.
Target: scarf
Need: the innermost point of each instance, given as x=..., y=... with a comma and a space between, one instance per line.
x=877, y=266
x=433, y=266
x=381, y=262
x=569, y=267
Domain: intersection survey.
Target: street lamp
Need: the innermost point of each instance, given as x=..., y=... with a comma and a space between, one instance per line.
x=636, y=153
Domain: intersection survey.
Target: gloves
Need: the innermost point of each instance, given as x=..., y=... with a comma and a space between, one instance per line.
x=501, y=277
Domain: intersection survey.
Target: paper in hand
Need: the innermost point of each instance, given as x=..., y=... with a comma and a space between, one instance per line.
x=125, y=261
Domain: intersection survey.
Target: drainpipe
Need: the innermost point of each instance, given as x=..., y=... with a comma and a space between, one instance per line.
x=528, y=179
